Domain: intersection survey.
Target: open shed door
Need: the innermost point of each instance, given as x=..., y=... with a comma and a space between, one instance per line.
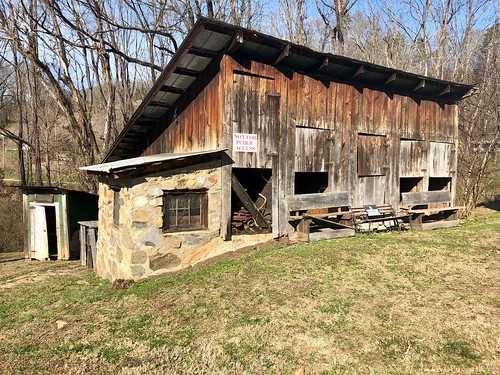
x=39, y=237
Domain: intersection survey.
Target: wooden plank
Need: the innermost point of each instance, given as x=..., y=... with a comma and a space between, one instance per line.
x=426, y=197
x=83, y=246
x=91, y=241
x=319, y=200
x=248, y=203
x=435, y=224
x=275, y=196
x=303, y=230
x=327, y=223
x=329, y=234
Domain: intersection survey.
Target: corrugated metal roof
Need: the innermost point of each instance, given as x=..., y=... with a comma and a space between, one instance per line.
x=141, y=161
x=209, y=39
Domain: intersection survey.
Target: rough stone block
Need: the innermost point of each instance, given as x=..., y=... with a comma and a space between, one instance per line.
x=119, y=255
x=159, y=222
x=164, y=261
x=195, y=239
x=137, y=271
x=138, y=257
x=139, y=224
x=140, y=201
x=171, y=242
x=156, y=193
x=151, y=238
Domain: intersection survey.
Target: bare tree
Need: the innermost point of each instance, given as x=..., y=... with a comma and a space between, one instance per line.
x=334, y=14
x=480, y=125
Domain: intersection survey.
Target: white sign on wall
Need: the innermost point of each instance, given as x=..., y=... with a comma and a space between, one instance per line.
x=243, y=142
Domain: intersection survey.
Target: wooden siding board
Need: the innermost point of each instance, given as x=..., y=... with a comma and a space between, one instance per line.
x=371, y=190
x=372, y=155
x=318, y=200
x=412, y=158
x=440, y=159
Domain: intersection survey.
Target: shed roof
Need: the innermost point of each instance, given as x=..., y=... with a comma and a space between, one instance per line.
x=210, y=38
x=130, y=164
x=27, y=189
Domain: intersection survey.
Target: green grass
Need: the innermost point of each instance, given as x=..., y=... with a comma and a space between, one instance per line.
x=389, y=303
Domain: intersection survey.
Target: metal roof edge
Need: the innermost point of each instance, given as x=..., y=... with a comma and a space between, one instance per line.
x=140, y=161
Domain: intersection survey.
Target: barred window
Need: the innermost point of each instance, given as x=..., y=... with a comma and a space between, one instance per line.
x=185, y=210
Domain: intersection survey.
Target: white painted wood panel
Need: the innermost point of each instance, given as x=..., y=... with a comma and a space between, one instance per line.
x=440, y=159
x=40, y=244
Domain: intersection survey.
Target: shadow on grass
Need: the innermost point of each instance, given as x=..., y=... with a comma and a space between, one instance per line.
x=11, y=257
x=492, y=205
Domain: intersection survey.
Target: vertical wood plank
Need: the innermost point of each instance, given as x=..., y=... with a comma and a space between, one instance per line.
x=275, y=196
x=92, y=245
x=83, y=246
x=226, y=140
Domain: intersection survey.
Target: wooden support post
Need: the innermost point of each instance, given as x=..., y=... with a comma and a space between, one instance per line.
x=83, y=246
x=275, y=196
x=91, y=241
x=226, y=202
x=248, y=203
x=303, y=229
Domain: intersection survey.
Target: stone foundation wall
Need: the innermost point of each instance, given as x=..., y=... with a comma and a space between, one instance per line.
x=137, y=247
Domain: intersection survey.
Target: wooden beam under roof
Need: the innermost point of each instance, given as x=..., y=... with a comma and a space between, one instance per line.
x=186, y=72
x=324, y=64
x=391, y=78
x=172, y=90
x=202, y=52
x=421, y=85
x=446, y=90
x=235, y=43
x=360, y=71
x=284, y=53
x=159, y=104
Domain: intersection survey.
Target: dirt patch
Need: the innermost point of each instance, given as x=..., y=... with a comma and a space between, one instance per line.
x=18, y=271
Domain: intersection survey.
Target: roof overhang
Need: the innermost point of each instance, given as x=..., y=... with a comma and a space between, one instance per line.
x=210, y=39
x=158, y=162
x=26, y=189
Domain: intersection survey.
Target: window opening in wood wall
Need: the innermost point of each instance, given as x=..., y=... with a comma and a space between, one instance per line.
x=410, y=185
x=310, y=182
x=185, y=210
x=439, y=183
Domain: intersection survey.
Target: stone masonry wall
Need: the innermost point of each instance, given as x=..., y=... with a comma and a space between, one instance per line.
x=138, y=247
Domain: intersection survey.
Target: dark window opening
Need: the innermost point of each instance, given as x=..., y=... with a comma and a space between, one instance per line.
x=410, y=185
x=185, y=210
x=116, y=207
x=258, y=185
x=50, y=215
x=310, y=182
x=439, y=183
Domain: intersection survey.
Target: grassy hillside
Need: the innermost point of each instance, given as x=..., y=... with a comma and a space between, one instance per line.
x=393, y=303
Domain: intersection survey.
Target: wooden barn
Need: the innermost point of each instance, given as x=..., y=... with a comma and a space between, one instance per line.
x=247, y=133
x=51, y=216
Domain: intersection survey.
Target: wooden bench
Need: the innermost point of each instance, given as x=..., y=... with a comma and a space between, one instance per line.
x=323, y=210
x=430, y=209
x=366, y=218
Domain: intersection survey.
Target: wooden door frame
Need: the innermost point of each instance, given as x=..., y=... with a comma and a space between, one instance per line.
x=58, y=226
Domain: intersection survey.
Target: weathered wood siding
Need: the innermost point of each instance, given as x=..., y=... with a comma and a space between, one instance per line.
x=440, y=159
x=412, y=159
x=197, y=128
x=365, y=139
x=372, y=155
